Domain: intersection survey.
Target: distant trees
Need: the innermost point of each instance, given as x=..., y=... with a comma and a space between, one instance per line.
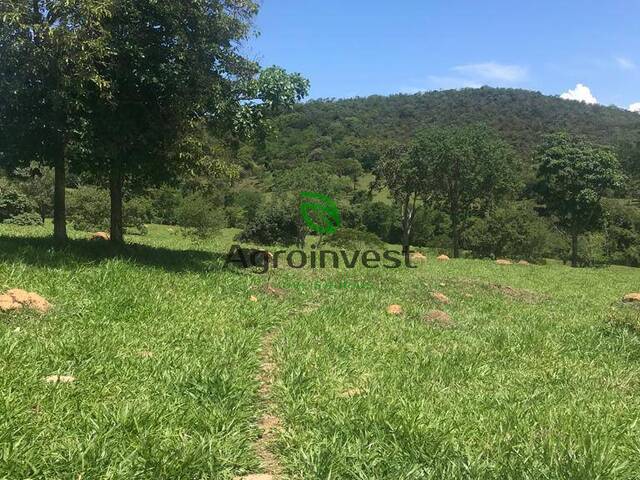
x=459, y=170
x=573, y=177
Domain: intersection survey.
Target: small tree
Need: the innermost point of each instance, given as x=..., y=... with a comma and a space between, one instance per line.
x=403, y=173
x=573, y=176
x=465, y=170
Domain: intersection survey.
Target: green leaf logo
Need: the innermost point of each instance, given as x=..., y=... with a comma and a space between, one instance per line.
x=320, y=213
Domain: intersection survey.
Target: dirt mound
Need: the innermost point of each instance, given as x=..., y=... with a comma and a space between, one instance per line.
x=394, y=310
x=440, y=297
x=100, y=236
x=443, y=258
x=632, y=298
x=16, y=299
x=439, y=318
x=504, y=262
x=418, y=257
x=8, y=304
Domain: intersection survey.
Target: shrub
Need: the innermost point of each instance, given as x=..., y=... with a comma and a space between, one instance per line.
x=12, y=202
x=513, y=230
x=352, y=239
x=25, y=219
x=379, y=219
x=165, y=201
x=137, y=212
x=274, y=224
x=88, y=209
x=198, y=216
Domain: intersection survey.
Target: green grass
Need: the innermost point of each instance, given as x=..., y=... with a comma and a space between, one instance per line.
x=532, y=382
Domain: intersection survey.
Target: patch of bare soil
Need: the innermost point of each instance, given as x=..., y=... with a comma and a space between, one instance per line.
x=438, y=318
x=632, y=298
x=271, y=290
x=16, y=299
x=440, y=297
x=520, y=294
x=60, y=379
x=100, y=236
x=268, y=423
x=394, y=310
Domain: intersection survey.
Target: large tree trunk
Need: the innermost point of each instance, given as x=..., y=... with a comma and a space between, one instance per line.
x=116, y=185
x=59, y=204
x=574, y=250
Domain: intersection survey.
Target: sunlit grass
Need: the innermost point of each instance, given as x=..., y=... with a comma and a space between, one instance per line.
x=533, y=381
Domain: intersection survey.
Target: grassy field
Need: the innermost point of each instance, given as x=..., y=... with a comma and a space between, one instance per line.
x=531, y=380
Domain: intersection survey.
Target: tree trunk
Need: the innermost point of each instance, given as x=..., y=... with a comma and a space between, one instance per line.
x=574, y=250
x=455, y=233
x=59, y=204
x=115, y=185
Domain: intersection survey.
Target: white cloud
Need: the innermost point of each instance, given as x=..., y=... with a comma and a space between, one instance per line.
x=494, y=71
x=625, y=63
x=581, y=93
x=635, y=107
x=453, y=82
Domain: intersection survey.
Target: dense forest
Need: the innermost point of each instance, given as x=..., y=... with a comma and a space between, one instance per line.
x=351, y=128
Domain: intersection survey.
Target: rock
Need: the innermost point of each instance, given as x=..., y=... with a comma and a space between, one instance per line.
x=443, y=258
x=394, y=310
x=439, y=318
x=418, y=257
x=8, y=304
x=440, y=297
x=523, y=262
x=100, y=236
x=30, y=300
x=632, y=298
x=60, y=379
x=253, y=298
x=504, y=262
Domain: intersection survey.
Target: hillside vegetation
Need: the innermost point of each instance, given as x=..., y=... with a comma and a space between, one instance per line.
x=323, y=129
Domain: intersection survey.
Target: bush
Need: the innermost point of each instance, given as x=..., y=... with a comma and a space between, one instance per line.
x=165, y=201
x=198, y=216
x=379, y=219
x=12, y=202
x=513, y=230
x=622, y=233
x=351, y=239
x=25, y=220
x=274, y=224
x=137, y=212
x=89, y=209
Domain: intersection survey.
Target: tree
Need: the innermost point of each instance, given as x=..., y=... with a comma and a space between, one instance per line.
x=573, y=176
x=177, y=74
x=402, y=172
x=51, y=50
x=465, y=171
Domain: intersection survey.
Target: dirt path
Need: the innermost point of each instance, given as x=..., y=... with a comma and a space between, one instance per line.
x=268, y=423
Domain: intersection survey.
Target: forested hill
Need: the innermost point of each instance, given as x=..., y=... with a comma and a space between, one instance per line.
x=333, y=129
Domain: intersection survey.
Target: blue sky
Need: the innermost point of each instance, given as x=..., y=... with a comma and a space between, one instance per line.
x=357, y=47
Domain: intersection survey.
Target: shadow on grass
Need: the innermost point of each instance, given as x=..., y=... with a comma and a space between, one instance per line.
x=41, y=252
